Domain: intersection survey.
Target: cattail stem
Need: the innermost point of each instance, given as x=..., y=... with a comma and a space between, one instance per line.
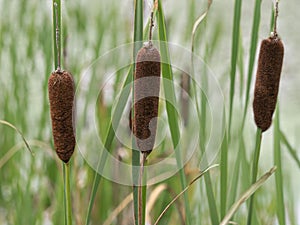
x=56, y=33
x=151, y=26
x=57, y=37
x=254, y=171
x=140, y=190
x=67, y=194
x=275, y=18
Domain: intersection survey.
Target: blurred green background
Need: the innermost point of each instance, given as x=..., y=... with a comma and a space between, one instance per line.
x=31, y=188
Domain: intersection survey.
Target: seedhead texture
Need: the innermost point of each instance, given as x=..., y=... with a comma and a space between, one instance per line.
x=267, y=81
x=61, y=97
x=146, y=97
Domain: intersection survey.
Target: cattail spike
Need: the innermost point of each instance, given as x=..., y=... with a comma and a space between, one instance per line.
x=146, y=97
x=61, y=97
x=267, y=81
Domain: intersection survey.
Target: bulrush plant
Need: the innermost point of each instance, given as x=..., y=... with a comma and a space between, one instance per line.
x=267, y=80
x=265, y=92
x=61, y=89
x=146, y=101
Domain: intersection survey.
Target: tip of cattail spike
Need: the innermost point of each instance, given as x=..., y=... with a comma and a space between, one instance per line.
x=267, y=81
x=61, y=90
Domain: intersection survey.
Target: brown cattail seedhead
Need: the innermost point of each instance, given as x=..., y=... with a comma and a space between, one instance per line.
x=267, y=81
x=146, y=97
x=61, y=97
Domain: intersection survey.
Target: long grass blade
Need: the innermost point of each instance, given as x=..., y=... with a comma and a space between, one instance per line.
x=170, y=96
x=280, y=206
x=254, y=171
x=19, y=132
x=246, y=195
x=198, y=22
x=292, y=151
x=234, y=56
x=184, y=191
x=223, y=172
x=121, y=102
x=253, y=47
x=137, y=38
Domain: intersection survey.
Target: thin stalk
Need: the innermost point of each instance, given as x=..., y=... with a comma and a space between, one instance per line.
x=141, y=189
x=56, y=33
x=223, y=172
x=254, y=171
x=67, y=194
x=275, y=18
x=234, y=56
x=280, y=206
x=213, y=212
x=137, y=38
x=144, y=195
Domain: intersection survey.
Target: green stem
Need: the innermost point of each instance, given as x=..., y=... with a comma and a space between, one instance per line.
x=234, y=55
x=278, y=175
x=223, y=172
x=254, y=171
x=56, y=32
x=137, y=38
x=67, y=194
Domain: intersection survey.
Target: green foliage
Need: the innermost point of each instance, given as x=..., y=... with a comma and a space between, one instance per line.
x=32, y=187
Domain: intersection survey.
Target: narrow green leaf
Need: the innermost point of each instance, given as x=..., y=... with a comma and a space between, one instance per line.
x=116, y=116
x=240, y=65
x=183, y=191
x=234, y=56
x=254, y=171
x=253, y=47
x=280, y=206
x=20, y=133
x=137, y=38
x=170, y=96
x=223, y=171
x=246, y=195
x=214, y=216
x=292, y=151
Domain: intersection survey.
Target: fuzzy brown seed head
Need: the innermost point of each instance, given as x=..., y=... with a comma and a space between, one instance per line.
x=267, y=81
x=61, y=90
x=146, y=97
